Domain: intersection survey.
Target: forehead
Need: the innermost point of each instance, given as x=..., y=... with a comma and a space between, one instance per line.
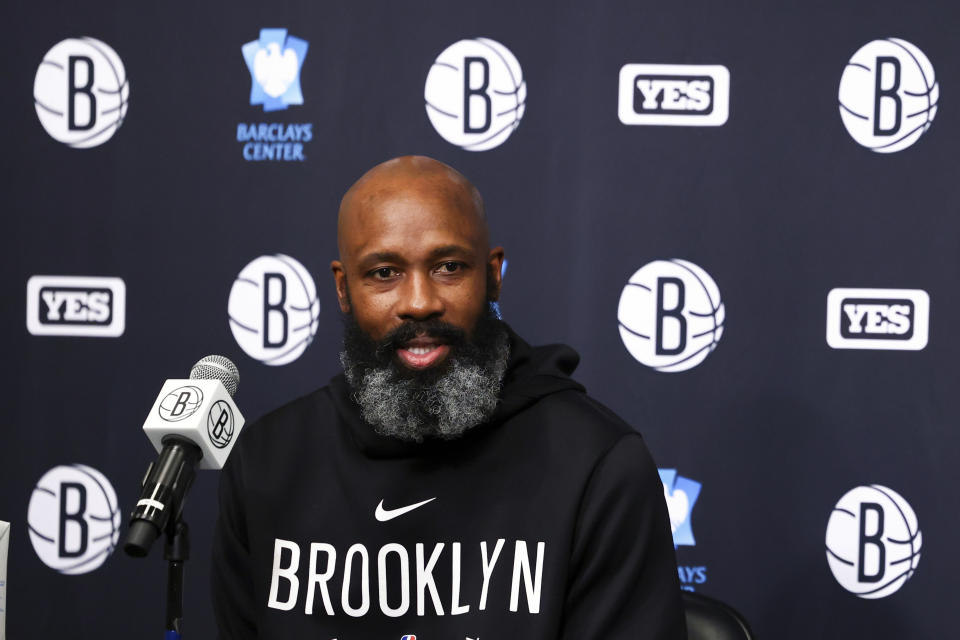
x=408, y=220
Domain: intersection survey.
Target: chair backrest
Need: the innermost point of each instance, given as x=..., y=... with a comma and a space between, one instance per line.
x=710, y=619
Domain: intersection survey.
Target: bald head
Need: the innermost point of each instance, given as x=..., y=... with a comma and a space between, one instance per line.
x=414, y=246
x=409, y=179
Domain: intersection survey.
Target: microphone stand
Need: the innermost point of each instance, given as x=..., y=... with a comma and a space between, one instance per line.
x=159, y=511
x=176, y=552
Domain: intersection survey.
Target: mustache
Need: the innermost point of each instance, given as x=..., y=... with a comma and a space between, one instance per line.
x=397, y=337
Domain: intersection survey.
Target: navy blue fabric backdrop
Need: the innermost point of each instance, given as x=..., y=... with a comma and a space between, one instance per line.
x=787, y=151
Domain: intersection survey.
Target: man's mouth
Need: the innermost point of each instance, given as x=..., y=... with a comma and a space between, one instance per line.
x=422, y=352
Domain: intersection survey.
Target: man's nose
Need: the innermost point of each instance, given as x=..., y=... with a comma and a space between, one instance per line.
x=420, y=299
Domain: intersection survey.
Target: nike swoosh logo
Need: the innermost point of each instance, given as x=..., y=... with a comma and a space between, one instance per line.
x=383, y=515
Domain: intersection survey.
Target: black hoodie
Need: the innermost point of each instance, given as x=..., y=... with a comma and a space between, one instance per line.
x=546, y=522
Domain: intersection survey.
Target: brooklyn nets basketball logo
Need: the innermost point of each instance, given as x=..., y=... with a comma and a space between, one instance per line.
x=273, y=308
x=73, y=519
x=220, y=424
x=873, y=541
x=670, y=315
x=180, y=403
x=475, y=94
x=81, y=92
x=888, y=95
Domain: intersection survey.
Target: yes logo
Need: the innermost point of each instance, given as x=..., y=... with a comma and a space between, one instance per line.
x=674, y=94
x=274, y=62
x=76, y=306
x=895, y=319
x=681, y=495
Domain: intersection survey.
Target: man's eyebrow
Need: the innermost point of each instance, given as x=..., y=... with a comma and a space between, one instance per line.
x=451, y=250
x=381, y=256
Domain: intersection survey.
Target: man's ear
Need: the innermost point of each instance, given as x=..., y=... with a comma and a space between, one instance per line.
x=340, y=281
x=494, y=273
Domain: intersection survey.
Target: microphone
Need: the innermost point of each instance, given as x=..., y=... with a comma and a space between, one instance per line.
x=193, y=423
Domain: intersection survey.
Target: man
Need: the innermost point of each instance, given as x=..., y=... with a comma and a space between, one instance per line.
x=454, y=482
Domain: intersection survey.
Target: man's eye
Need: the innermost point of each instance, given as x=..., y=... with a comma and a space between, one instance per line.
x=450, y=267
x=382, y=273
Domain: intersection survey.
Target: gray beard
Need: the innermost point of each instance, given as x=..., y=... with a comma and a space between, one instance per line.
x=463, y=396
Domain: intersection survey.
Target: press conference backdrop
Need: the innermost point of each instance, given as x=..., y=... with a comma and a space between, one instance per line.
x=743, y=215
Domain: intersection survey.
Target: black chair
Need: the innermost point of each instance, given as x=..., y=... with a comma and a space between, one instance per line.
x=710, y=619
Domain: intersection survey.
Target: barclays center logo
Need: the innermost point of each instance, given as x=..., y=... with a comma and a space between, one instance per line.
x=275, y=61
x=681, y=495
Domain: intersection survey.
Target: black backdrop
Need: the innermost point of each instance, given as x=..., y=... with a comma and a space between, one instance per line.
x=780, y=205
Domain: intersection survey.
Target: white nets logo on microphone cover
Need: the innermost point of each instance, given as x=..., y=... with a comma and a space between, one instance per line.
x=670, y=315
x=475, y=94
x=888, y=95
x=220, y=424
x=273, y=309
x=73, y=519
x=181, y=403
x=81, y=92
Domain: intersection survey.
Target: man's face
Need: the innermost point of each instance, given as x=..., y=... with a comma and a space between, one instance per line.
x=412, y=253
